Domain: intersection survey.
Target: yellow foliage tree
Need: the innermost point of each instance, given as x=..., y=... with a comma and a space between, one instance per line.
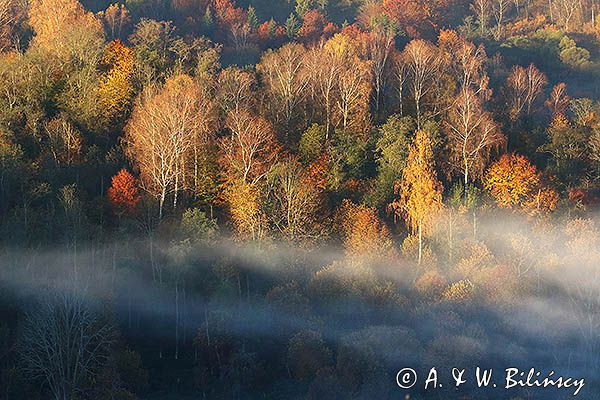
x=420, y=191
x=461, y=291
x=246, y=211
x=116, y=89
x=65, y=29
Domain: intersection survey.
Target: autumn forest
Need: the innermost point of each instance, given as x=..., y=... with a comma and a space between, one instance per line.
x=295, y=199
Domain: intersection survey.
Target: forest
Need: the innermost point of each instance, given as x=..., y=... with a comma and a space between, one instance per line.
x=296, y=199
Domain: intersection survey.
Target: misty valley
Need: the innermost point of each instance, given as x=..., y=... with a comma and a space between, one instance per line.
x=299, y=200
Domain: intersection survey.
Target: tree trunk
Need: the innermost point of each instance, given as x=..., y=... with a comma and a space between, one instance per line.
x=177, y=319
x=418, y=107
x=163, y=195
x=466, y=182
x=176, y=190
x=420, y=241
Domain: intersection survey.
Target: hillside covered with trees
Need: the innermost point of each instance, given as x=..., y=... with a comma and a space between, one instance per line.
x=203, y=199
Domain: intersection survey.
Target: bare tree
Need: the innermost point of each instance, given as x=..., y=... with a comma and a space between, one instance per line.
x=422, y=61
x=64, y=343
x=469, y=68
x=482, y=10
x=565, y=11
x=379, y=48
x=11, y=14
x=250, y=149
x=236, y=89
x=285, y=80
x=115, y=19
x=164, y=133
x=399, y=73
x=353, y=93
x=472, y=134
x=64, y=140
x=558, y=101
x=500, y=9
x=294, y=200
x=524, y=86
x=324, y=67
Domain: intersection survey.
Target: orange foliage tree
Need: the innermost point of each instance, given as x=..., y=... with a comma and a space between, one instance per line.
x=412, y=15
x=124, y=193
x=515, y=183
x=365, y=235
x=315, y=26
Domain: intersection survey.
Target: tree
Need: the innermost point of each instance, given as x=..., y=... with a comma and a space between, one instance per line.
x=116, y=19
x=64, y=140
x=483, y=13
x=11, y=14
x=344, y=84
x=500, y=8
x=312, y=143
x=392, y=151
x=250, y=149
x=233, y=21
x=411, y=15
x=514, y=182
x=558, y=101
x=466, y=62
x=236, y=90
x=313, y=27
x=64, y=343
x=168, y=129
x=252, y=18
x=420, y=191
x=294, y=200
x=246, y=210
x=196, y=227
x=422, y=61
x=472, y=135
x=116, y=88
x=285, y=80
x=303, y=6
x=292, y=26
x=568, y=146
x=379, y=48
x=400, y=74
x=525, y=85
x=153, y=42
x=564, y=11
x=307, y=353
x=323, y=68
x=66, y=30
x=354, y=92
x=124, y=193
x=364, y=234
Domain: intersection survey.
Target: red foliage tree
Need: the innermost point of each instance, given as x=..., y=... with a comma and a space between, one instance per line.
x=315, y=26
x=124, y=193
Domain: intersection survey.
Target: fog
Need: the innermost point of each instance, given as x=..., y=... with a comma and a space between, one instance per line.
x=548, y=322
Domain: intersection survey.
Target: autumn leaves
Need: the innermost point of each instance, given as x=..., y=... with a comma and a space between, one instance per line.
x=233, y=137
